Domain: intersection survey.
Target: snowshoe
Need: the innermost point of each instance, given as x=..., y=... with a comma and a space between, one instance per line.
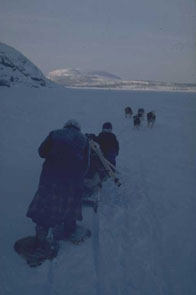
x=33, y=254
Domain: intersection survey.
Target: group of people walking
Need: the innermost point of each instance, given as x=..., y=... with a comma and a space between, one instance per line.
x=69, y=165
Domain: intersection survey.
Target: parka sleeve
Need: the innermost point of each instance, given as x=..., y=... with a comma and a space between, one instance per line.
x=45, y=146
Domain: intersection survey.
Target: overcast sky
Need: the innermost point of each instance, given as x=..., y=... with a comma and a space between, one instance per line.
x=134, y=39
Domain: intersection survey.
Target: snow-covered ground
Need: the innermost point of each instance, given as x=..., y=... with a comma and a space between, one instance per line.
x=144, y=235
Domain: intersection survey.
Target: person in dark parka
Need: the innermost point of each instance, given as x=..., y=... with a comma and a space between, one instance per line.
x=108, y=143
x=57, y=202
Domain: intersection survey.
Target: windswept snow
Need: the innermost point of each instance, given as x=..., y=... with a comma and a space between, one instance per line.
x=143, y=240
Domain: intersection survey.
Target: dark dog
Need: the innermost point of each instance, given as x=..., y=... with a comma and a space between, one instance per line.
x=141, y=113
x=136, y=121
x=151, y=118
x=128, y=112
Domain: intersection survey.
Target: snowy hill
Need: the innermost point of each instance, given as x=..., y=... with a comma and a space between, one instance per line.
x=104, y=75
x=101, y=79
x=17, y=70
x=76, y=78
x=143, y=236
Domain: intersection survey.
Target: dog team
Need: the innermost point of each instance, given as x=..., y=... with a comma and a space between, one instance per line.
x=151, y=117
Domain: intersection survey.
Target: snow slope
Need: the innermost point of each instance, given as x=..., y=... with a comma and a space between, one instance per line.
x=144, y=240
x=17, y=70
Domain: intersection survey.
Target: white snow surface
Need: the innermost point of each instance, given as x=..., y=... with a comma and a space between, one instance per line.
x=144, y=235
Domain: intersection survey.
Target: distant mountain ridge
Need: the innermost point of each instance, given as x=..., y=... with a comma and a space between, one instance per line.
x=100, y=79
x=76, y=78
x=18, y=70
x=104, y=75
